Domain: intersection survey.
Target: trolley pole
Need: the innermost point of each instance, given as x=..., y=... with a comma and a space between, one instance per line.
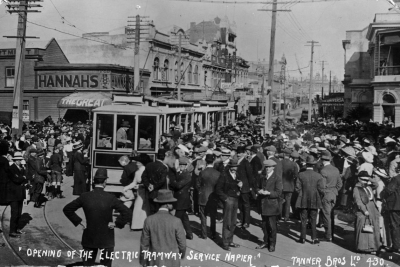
x=136, y=67
x=179, y=76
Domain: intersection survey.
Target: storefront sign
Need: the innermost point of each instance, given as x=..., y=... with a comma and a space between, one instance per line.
x=84, y=103
x=11, y=52
x=334, y=100
x=65, y=81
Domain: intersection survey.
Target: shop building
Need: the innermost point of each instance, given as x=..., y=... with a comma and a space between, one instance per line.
x=53, y=86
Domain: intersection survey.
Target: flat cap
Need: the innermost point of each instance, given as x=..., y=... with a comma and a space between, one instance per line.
x=269, y=163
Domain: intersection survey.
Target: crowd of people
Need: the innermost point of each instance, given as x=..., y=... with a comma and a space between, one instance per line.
x=303, y=171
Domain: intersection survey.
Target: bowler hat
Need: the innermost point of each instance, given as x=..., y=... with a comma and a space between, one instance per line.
x=210, y=158
x=125, y=124
x=233, y=163
x=101, y=173
x=287, y=151
x=241, y=149
x=254, y=149
x=164, y=196
x=161, y=152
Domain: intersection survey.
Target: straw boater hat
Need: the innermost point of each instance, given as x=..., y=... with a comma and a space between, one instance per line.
x=77, y=145
x=17, y=156
x=368, y=157
x=381, y=172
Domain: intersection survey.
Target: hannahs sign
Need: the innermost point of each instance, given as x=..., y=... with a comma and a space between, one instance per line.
x=101, y=80
x=68, y=80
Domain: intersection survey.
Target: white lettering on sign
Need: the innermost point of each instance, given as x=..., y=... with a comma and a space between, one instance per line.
x=84, y=102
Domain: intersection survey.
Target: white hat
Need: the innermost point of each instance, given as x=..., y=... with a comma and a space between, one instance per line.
x=183, y=148
x=388, y=140
x=381, y=172
x=17, y=156
x=317, y=139
x=368, y=157
x=371, y=149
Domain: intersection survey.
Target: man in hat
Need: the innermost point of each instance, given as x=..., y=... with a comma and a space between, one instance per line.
x=55, y=164
x=129, y=168
x=269, y=189
x=391, y=196
x=181, y=186
x=310, y=187
x=289, y=176
x=244, y=174
x=163, y=233
x=269, y=153
x=98, y=207
x=228, y=190
x=39, y=179
x=208, y=200
x=225, y=157
x=122, y=136
x=68, y=154
x=154, y=176
x=199, y=164
x=170, y=142
x=333, y=184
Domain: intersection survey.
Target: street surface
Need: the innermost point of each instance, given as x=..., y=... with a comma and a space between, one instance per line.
x=39, y=235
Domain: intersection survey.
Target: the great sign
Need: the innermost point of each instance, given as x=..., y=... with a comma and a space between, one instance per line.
x=84, y=103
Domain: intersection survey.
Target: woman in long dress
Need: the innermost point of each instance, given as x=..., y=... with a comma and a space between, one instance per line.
x=366, y=211
x=141, y=208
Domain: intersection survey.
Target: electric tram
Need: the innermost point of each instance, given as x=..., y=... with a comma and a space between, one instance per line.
x=144, y=124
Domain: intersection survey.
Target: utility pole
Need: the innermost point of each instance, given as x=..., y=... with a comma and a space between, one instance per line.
x=311, y=79
x=330, y=81
x=322, y=77
x=139, y=29
x=268, y=112
x=179, y=64
x=22, y=10
x=284, y=93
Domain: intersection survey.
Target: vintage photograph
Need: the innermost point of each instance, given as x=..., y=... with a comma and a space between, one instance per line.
x=200, y=133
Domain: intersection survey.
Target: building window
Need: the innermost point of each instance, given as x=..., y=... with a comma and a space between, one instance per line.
x=190, y=74
x=196, y=75
x=156, y=68
x=165, y=70
x=10, y=73
x=25, y=105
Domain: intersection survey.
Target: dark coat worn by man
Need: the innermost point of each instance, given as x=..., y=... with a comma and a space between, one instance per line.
x=391, y=197
x=155, y=173
x=4, y=174
x=98, y=207
x=181, y=186
x=245, y=174
x=333, y=183
x=289, y=176
x=208, y=200
x=16, y=195
x=80, y=163
x=269, y=207
x=310, y=187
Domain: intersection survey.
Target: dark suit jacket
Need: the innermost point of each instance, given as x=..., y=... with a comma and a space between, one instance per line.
x=219, y=166
x=155, y=173
x=245, y=174
x=319, y=166
x=256, y=166
x=181, y=187
x=289, y=175
x=32, y=167
x=163, y=232
x=206, y=183
x=269, y=204
x=128, y=174
x=391, y=194
x=333, y=182
x=227, y=186
x=15, y=185
x=4, y=179
x=98, y=207
x=310, y=187
x=55, y=162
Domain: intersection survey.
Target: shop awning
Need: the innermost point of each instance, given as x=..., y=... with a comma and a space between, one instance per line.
x=85, y=100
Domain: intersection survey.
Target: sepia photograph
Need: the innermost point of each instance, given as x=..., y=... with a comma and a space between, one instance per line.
x=200, y=133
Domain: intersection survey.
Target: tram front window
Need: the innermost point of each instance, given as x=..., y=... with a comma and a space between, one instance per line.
x=147, y=127
x=125, y=131
x=104, y=135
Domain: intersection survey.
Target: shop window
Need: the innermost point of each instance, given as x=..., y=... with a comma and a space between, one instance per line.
x=147, y=127
x=190, y=74
x=164, y=74
x=125, y=131
x=104, y=134
x=10, y=76
x=196, y=75
x=156, y=67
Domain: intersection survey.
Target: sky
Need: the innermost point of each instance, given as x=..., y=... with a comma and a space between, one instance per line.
x=324, y=22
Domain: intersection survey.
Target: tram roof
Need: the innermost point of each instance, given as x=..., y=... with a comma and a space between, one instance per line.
x=140, y=109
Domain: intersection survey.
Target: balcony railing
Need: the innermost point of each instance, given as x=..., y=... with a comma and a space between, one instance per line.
x=388, y=70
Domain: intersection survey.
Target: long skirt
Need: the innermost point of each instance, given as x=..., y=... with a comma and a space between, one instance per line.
x=367, y=242
x=79, y=183
x=141, y=209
